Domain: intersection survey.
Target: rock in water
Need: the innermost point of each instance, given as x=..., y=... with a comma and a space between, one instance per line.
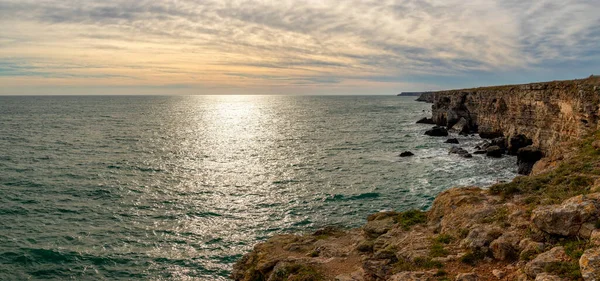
x=494, y=151
x=406, y=154
x=526, y=158
x=453, y=140
x=425, y=120
x=437, y=131
x=460, y=151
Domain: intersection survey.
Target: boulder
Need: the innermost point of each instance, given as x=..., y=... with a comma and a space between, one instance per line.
x=453, y=140
x=479, y=239
x=505, y=247
x=406, y=154
x=480, y=152
x=437, y=131
x=517, y=142
x=530, y=248
x=538, y=265
x=494, y=151
x=568, y=218
x=425, y=120
x=589, y=264
x=461, y=127
x=527, y=157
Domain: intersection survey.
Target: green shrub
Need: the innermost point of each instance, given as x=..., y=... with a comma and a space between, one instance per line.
x=409, y=218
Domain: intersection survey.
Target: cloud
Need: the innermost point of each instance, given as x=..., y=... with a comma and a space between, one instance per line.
x=287, y=43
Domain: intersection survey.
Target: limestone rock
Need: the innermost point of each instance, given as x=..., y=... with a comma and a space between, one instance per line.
x=517, y=142
x=530, y=248
x=567, y=218
x=505, y=247
x=375, y=228
x=595, y=238
x=547, y=277
x=589, y=263
x=537, y=265
x=549, y=113
x=479, y=239
x=411, y=276
x=461, y=127
x=466, y=277
x=498, y=273
x=437, y=131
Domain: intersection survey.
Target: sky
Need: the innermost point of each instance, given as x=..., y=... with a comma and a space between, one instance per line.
x=64, y=47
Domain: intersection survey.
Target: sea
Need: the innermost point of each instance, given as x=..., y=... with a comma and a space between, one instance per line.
x=180, y=187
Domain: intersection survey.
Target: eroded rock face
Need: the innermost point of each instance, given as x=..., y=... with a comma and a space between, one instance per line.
x=570, y=218
x=548, y=113
x=589, y=264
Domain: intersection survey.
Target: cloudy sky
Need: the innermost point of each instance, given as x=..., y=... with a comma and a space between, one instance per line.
x=291, y=46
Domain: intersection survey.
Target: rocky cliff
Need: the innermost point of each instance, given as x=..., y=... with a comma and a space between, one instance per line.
x=544, y=227
x=426, y=97
x=551, y=114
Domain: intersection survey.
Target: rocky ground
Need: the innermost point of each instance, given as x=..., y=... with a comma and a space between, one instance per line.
x=540, y=227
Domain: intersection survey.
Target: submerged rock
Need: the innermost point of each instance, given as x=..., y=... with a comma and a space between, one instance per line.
x=437, y=131
x=453, y=140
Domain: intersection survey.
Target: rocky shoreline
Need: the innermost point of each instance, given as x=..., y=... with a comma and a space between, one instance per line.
x=545, y=226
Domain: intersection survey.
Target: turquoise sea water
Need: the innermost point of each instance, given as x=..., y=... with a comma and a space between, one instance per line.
x=178, y=188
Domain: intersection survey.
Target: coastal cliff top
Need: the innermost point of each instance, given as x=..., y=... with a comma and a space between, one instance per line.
x=593, y=80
